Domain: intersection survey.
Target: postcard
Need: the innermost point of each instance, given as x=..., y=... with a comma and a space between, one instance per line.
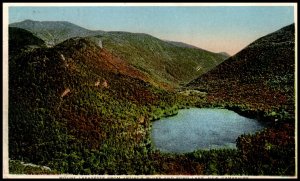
x=150, y=90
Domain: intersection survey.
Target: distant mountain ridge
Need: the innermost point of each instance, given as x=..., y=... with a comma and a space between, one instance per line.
x=185, y=45
x=54, y=32
x=225, y=54
x=181, y=44
x=168, y=64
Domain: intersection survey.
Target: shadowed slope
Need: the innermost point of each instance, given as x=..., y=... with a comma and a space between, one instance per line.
x=260, y=76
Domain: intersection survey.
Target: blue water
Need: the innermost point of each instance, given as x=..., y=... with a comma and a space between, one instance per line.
x=201, y=128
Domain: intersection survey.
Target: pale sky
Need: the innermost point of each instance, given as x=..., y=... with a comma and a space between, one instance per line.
x=214, y=28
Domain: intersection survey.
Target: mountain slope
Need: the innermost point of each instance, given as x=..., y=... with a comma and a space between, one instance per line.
x=163, y=61
x=261, y=76
x=169, y=65
x=78, y=109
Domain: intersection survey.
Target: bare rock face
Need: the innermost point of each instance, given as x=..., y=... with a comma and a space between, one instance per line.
x=100, y=44
x=62, y=57
x=142, y=120
x=97, y=83
x=105, y=84
x=67, y=91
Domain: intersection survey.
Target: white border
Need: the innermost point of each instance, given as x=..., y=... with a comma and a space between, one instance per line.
x=147, y=176
x=296, y=89
x=5, y=90
x=150, y=4
x=5, y=87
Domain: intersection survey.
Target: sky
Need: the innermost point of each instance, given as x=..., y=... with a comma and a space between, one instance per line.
x=214, y=28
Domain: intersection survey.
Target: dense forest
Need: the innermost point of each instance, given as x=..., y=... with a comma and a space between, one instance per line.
x=78, y=107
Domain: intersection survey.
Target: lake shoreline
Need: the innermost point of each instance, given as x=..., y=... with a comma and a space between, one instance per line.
x=214, y=125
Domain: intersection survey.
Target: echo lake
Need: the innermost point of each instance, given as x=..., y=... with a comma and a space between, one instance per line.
x=201, y=128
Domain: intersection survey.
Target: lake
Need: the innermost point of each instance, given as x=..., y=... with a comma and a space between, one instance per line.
x=201, y=128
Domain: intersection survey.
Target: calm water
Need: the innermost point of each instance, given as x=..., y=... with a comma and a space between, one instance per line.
x=204, y=128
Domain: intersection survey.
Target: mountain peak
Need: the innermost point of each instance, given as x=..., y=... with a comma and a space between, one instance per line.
x=36, y=21
x=28, y=20
x=53, y=32
x=283, y=35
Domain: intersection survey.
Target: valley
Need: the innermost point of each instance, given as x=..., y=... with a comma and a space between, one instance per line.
x=156, y=58
x=84, y=102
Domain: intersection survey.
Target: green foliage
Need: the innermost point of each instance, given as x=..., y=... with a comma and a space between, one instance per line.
x=16, y=167
x=270, y=152
x=218, y=162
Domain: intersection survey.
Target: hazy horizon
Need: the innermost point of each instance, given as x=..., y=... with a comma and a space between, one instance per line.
x=214, y=28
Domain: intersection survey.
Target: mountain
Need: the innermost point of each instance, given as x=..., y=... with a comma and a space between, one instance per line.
x=168, y=64
x=261, y=76
x=78, y=109
x=53, y=32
